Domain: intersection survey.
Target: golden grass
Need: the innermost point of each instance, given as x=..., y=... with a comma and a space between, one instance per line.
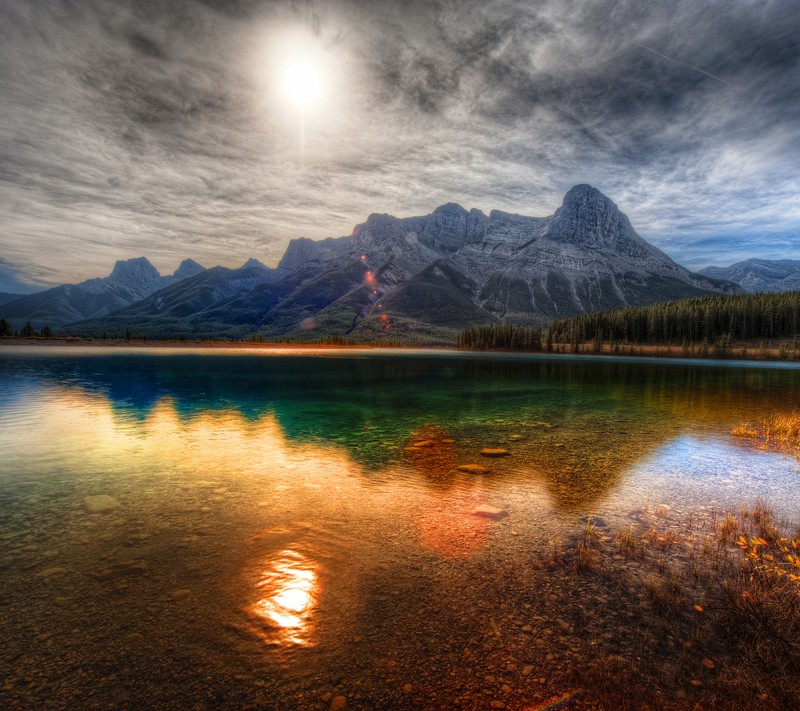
x=779, y=431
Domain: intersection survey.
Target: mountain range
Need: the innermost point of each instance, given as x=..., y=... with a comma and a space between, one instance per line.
x=411, y=279
x=755, y=275
x=130, y=281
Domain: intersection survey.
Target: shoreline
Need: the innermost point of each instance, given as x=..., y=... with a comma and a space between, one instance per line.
x=206, y=345
x=742, y=355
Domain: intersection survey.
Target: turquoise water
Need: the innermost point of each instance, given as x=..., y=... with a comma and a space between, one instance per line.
x=280, y=527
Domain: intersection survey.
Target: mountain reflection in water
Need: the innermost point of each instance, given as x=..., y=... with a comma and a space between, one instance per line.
x=575, y=425
x=282, y=528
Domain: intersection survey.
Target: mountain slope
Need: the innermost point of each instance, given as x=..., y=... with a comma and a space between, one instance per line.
x=130, y=281
x=5, y=297
x=755, y=275
x=431, y=276
x=173, y=309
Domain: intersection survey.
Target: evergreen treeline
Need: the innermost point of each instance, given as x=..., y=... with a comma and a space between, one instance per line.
x=25, y=332
x=501, y=337
x=705, y=319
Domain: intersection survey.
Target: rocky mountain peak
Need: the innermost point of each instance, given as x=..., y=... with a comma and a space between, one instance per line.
x=187, y=268
x=589, y=218
x=134, y=273
x=253, y=263
x=298, y=252
x=450, y=209
x=585, y=194
x=450, y=227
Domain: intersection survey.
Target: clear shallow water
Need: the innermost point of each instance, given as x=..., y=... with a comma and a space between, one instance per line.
x=290, y=526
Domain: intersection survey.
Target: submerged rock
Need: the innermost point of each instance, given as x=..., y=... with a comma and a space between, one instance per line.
x=100, y=503
x=472, y=469
x=490, y=512
x=122, y=570
x=490, y=452
x=49, y=572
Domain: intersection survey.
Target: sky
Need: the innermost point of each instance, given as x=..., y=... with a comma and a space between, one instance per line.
x=182, y=128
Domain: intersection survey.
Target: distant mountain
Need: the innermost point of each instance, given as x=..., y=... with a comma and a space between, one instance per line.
x=175, y=311
x=187, y=268
x=6, y=297
x=755, y=275
x=130, y=281
x=425, y=278
x=251, y=263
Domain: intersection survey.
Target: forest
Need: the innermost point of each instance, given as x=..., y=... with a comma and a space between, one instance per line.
x=717, y=320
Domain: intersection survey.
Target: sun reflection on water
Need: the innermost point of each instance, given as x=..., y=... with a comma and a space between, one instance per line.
x=289, y=589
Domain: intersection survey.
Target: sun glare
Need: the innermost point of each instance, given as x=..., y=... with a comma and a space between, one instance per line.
x=299, y=67
x=302, y=84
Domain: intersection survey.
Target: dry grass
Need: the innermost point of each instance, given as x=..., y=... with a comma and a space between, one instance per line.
x=779, y=431
x=727, y=590
x=588, y=550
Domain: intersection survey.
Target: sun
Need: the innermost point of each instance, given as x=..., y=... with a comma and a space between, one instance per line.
x=302, y=83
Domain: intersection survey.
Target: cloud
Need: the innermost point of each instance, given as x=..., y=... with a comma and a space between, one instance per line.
x=12, y=280
x=132, y=128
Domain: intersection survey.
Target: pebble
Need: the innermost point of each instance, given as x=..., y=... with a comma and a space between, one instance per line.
x=100, y=503
x=182, y=594
x=407, y=689
x=490, y=452
x=339, y=703
x=527, y=670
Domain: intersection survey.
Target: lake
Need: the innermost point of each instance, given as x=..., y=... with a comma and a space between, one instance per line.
x=188, y=528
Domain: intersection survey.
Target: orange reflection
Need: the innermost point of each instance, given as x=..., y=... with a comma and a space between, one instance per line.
x=431, y=451
x=289, y=589
x=450, y=528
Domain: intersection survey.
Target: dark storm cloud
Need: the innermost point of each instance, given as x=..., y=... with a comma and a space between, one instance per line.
x=131, y=128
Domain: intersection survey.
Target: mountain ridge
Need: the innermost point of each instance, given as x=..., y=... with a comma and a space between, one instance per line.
x=425, y=277
x=413, y=278
x=129, y=281
x=754, y=275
